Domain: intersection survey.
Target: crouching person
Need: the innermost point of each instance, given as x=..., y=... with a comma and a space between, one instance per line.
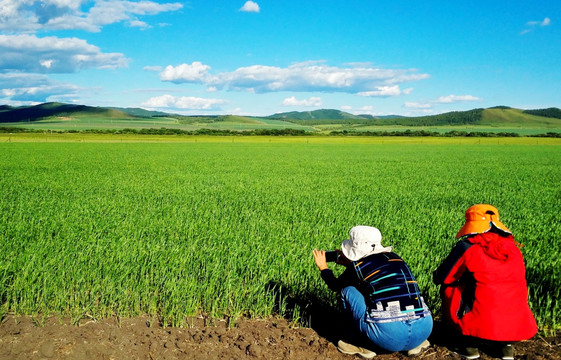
x=483, y=287
x=380, y=295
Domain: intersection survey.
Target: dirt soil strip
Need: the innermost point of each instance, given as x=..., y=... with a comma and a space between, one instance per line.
x=144, y=338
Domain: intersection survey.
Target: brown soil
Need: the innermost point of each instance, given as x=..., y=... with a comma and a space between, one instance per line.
x=144, y=338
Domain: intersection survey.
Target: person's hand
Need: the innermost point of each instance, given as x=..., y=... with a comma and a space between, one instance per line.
x=319, y=258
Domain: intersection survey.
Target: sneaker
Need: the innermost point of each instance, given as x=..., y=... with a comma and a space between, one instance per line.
x=349, y=349
x=507, y=352
x=416, y=351
x=467, y=352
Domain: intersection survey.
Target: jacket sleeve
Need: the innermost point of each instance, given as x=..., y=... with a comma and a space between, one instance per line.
x=453, y=267
x=337, y=283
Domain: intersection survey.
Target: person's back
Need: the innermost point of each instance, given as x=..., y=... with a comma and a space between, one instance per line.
x=499, y=310
x=483, y=285
x=392, y=288
x=380, y=295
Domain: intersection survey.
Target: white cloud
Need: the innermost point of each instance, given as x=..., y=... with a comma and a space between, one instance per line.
x=26, y=88
x=456, y=98
x=153, y=68
x=250, y=6
x=363, y=110
x=441, y=100
x=183, y=102
x=35, y=15
x=27, y=55
x=51, y=54
x=544, y=22
x=305, y=76
x=46, y=63
x=292, y=101
x=196, y=72
x=139, y=24
x=417, y=105
x=420, y=112
x=532, y=24
x=385, y=91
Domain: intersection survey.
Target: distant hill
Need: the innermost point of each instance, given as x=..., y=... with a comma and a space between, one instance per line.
x=498, y=116
x=10, y=114
x=323, y=114
x=5, y=108
x=470, y=117
x=550, y=112
x=329, y=116
x=138, y=112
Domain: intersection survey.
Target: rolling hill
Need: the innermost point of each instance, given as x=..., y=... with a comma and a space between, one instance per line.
x=60, y=115
x=10, y=114
x=495, y=116
x=327, y=114
x=322, y=114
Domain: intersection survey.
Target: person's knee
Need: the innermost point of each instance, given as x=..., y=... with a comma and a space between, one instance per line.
x=351, y=295
x=354, y=302
x=349, y=290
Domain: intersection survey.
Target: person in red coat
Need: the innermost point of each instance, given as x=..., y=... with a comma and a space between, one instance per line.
x=483, y=286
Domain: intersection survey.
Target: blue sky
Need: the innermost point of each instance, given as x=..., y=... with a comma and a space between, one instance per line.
x=263, y=57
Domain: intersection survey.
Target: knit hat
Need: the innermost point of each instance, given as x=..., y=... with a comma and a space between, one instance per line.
x=363, y=241
x=481, y=218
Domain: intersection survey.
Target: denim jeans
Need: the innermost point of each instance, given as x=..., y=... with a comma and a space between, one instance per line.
x=393, y=336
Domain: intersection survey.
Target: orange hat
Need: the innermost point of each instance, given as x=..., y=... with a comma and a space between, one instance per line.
x=479, y=219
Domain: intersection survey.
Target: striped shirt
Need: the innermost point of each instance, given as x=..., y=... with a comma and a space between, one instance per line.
x=391, y=291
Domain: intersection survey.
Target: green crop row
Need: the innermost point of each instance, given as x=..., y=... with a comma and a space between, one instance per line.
x=227, y=229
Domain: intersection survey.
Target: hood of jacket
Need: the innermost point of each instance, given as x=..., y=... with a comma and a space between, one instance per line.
x=495, y=246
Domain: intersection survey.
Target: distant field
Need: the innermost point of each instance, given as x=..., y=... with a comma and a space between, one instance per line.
x=224, y=226
x=312, y=139
x=86, y=122
x=83, y=123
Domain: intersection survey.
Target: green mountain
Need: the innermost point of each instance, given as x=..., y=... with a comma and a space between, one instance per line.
x=549, y=112
x=323, y=114
x=499, y=116
x=10, y=114
x=138, y=112
x=470, y=117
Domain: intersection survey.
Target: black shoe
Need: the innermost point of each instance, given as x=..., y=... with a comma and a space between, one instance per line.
x=467, y=352
x=507, y=352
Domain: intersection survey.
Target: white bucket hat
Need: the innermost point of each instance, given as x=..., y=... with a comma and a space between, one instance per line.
x=363, y=241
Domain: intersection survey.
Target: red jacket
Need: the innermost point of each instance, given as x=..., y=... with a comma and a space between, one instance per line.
x=484, y=291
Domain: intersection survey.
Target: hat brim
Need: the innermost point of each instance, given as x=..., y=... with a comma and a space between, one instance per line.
x=352, y=253
x=355, y=254
x=480, y=227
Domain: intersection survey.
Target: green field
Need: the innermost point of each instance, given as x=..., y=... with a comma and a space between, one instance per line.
x=224, y=227
x=87, y=122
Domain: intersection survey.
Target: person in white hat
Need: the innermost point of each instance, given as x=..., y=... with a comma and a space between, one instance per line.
x=380, y=294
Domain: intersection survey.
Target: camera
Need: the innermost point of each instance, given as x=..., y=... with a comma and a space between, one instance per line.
x=332, y=256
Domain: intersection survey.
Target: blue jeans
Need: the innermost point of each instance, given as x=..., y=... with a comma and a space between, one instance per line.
x=392, y=336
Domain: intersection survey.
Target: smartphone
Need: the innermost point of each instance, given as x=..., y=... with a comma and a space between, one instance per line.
x=332, y=256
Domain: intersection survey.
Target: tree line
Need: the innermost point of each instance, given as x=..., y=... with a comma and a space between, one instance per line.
x=550, y=112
